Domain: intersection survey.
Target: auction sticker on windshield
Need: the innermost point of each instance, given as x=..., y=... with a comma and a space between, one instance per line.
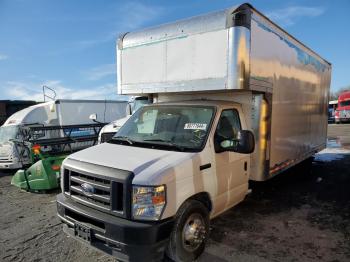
x=201, y=126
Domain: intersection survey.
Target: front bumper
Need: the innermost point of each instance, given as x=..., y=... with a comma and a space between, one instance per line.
x=343, y=119
x=10, y=165
x=127, y=240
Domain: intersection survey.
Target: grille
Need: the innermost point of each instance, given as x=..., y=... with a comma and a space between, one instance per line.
x=5, y=160
x=107, y=194
x=105, y=137
x=345, y=113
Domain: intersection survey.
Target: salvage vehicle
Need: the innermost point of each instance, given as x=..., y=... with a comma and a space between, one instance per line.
x=48, y=146
x=342, y=113
x=109, y=130
x=235, y=98
x=62, y=112
x=41, y=147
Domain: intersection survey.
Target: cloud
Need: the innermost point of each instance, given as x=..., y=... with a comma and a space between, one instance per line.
x=131, y=15
x=290, y=15
x=33, y=91
x=136, y=14
x=100, y=72
x=3, y=57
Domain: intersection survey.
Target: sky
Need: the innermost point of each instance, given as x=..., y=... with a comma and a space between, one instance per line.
x=70, y=45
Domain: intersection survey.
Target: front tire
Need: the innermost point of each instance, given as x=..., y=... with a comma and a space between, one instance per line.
x=190, y=232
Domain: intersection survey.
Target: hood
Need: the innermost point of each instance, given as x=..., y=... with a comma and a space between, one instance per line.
x=115, y=125
x=148, y=165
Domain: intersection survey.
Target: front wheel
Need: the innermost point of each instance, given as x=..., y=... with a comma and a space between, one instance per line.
x=190, y=233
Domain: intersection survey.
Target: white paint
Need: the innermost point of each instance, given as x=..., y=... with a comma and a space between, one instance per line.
x=188, y=58
x=148, y=165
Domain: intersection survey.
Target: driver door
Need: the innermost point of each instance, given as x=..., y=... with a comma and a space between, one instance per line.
x=232, y=169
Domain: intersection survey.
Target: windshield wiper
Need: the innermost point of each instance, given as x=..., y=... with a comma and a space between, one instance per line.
x=165, y=142
x=123, y=138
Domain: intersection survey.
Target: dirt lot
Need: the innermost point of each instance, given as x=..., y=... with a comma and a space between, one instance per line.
x=301, y=215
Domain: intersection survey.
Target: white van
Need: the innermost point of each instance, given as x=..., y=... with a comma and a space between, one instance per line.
x=109, y=130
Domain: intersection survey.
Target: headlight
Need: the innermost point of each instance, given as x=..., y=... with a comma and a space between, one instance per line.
x=148, y=202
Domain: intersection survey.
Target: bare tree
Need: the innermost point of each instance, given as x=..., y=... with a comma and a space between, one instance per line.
x=333, y=95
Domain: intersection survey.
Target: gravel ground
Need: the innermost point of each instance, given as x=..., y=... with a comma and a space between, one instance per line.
x=301, y=215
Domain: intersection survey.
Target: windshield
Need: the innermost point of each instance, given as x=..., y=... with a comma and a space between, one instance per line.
x=182, y=128
x=7, y=133
x=345, y=103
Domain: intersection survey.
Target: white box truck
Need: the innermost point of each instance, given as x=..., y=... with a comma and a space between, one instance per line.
x=61, y=112
x=236, y=98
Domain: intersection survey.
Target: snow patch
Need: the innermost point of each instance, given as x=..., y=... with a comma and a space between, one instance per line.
x=331, y=154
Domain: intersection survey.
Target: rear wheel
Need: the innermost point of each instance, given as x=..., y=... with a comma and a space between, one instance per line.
x=190, y=233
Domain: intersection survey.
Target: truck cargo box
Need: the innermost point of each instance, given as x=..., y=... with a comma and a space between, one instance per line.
x=232, y=51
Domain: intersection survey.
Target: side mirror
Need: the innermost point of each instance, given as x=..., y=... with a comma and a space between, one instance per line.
x=244, y=144
x=93, y=117
x=128, y=109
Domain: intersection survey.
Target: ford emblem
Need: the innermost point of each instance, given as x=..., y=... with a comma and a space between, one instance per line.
x=88, y=190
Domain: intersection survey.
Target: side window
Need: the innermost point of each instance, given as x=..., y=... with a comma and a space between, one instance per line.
x=228, y=127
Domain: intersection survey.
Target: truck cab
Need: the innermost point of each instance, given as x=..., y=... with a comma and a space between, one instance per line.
x=200, y=147
x=9, y=158
x=342, y=112
x=13, y=154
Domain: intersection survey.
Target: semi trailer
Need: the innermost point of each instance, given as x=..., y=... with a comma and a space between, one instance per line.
x=235, y=98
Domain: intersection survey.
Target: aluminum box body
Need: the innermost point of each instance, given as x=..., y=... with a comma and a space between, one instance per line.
x=232, y=51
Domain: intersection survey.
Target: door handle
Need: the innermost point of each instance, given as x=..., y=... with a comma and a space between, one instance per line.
x=202, y=167
x=245, y=165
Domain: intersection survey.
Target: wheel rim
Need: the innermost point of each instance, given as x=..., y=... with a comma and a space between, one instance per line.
x=194, y=232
